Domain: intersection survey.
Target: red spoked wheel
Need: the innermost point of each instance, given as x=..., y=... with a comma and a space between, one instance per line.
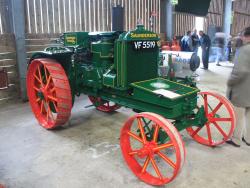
x=151, y=161
x=49, y=92
x=102, y=105
x=220, y=120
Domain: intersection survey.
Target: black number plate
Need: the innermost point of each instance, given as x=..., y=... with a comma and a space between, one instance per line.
x=139, y=45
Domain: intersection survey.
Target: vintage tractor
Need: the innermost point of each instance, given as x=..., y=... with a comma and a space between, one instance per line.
x=120, y=69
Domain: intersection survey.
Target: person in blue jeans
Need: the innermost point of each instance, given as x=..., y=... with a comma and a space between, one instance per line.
x=205, y=44
x=219, y=43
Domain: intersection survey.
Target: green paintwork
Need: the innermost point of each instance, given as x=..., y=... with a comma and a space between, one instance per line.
x=76, y=38
x=133, y=64
x=122, y=67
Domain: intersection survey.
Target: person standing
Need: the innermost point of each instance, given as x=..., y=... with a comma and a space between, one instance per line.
x=186, y=43
x=238, y=43
x=219, y=43
x=205, y=43
x=195, y=41
x=239, y=93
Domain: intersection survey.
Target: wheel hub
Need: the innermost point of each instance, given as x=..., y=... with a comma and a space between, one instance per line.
x=210, y=118
x=40, y=95
x=147, y=150
x=43, y=93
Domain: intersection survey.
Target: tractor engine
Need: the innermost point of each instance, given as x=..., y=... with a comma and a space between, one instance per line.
x=93, y=56
x=112, y=59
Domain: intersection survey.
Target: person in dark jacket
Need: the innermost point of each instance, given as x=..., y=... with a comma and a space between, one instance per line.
x=195, y=41
x=238, y=92
x=205, y=43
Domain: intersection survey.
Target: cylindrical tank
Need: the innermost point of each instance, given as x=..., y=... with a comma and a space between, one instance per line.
x=165, y=46
x=175, y=46
x=184, y=63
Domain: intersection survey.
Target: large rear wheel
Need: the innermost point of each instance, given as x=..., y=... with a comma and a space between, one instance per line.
x=150, y=160
x=220, y=117
x=49, y=92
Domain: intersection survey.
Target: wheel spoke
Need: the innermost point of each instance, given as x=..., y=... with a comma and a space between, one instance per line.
x=141, y=130
x=196, y=131
x=38, y=99
x=55, y=106
x=39, y=73
x=163, y=146
x=35, y=88
x=222, y=119
x=169, y=161
x=45, y=72
x=156, y=132
x=53, y=89
x=48, y=81
x=217, y=108
x=38, y=79
x=135, y=136
x=220, y=129
x=209, y=133
x=135, y=152
x=156, y=168
x=41, y=107
x=205, y=104
x=145, y=165
x=52, y=98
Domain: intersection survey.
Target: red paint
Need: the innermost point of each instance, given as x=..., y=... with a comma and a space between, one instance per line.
x=47, y=78
x=142, y=157
x=215, y=121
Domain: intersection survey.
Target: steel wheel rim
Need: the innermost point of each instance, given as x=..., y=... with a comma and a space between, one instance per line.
x=105, y=105
x=215, y=122
x=140, y=170
x=49, y=93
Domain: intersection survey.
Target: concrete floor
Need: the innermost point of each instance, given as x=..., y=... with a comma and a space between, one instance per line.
x=86, y=152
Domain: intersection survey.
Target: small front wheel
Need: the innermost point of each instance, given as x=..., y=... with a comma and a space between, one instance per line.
x=220, y=117
x=150, y=160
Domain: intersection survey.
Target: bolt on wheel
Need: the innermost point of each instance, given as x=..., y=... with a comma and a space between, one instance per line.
x=220, y=120
x=103, y=105
x=150, y=160
x=49, y=92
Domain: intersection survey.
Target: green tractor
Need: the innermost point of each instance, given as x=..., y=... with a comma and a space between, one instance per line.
x=116, y=69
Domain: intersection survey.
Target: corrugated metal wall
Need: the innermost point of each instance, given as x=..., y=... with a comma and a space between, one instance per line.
x=57, y=16
x=241, y=18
